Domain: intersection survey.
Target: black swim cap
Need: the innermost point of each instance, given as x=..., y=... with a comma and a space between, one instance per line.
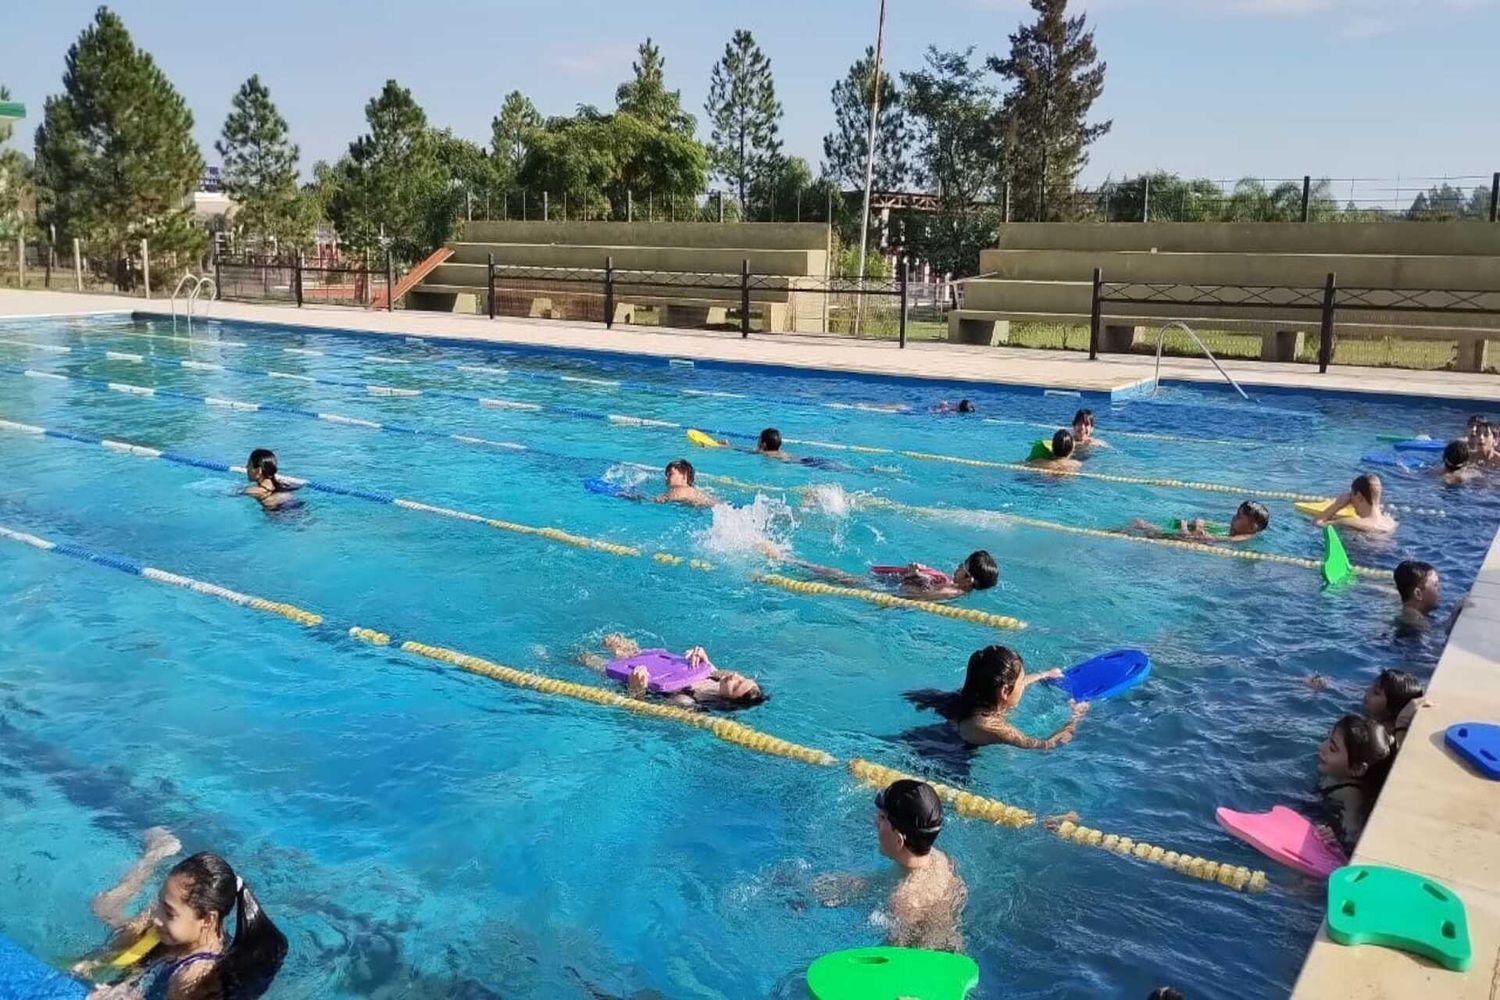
x=914, y=811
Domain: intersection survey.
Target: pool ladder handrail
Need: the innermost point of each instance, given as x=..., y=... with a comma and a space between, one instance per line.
x=192, y=297
x=1161, y=336
x=187, y=276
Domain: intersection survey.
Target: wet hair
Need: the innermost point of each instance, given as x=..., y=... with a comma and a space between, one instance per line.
x=262, y=465
x=735, y=704
x=244, y=970
x=769, y=440
x=982, y=569
x=1400, y=689
x=1367, y=486
x=1062, y=444
x=964, y=406
x=1410, y=575
x=685, y=467
x=991, y=670
x=1476, y=420
x=1456, y=455
x=1367, y=743
x=1083, y=416
x=914, y=810
x=1256, y=512
x=1166, y=993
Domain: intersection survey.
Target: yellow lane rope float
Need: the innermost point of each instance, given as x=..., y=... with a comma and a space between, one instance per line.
x=964, y=803
x=888, y=600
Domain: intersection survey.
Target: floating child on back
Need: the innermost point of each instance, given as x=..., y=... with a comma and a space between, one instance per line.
x=1249, y=520
x=1392, y=699
x=1352, y=765
x=993, y=685
x=914, y=580
x=1364, y=496
x=723, y=690
x=1058, y=458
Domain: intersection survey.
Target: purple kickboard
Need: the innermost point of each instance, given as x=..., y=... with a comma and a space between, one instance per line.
x=668, y=673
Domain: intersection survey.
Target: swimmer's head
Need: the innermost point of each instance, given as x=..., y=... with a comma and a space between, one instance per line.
x=738, y=691
x=680, y=473
x=1083, y=425
x=1366, y=491
x=964, y=406
x=1166, y=993
x=1456, y=455
x=908, y=818
x=1250, y=519
x=1062, y=444
x=1357, y=748
x=992, y=683
x=769, y=440
x=977, y=572
x=1389, y=693
x=1419, y=585
x=192, y=910
x=258, y=457
x=1477, y=420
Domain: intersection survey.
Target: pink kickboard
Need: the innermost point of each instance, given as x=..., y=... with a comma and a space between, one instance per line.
x=1285, y=836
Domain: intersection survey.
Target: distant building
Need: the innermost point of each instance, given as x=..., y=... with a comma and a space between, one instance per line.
x=209, y=201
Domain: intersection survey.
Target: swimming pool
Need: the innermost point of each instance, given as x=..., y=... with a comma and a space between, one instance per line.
x=418, y=831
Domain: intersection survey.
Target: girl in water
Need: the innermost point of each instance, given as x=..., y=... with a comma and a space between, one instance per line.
x=995, y=681
x=722, y=690
x=1352, y=764
x=264, y=486
x=194, y=957
x=1392, y=699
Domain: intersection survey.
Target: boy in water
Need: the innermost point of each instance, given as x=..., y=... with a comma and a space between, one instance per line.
x=1482, y=445
x=1248, y=521
x=1458, y=464
x=1083, y=431
x=1421, y=589
x=680, y=477
x=1062, y=459
x=1364, y=496
x=916, y=581
x=926, y=904
x=769, y=445
x=962, y=406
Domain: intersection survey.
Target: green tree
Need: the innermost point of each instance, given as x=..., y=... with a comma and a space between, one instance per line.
x=1055, y=76
x=115, y=150
x=510, y=135
x=15, y=183
x=472, y=174
x=260, y=170
x=845, y=149
x=745, y=144
x=645, y=95
x=1448, y=202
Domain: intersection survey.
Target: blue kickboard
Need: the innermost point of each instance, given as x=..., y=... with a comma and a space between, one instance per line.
x=24, y=976
x=606, y=488
x=1478, y=743
x=1105, y=675
x=1421, y=444
x=1382, y=458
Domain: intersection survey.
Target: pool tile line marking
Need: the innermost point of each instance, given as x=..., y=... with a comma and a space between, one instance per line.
x=965, y=803
x=873, y=502
x=973, y=615
x=623, y=420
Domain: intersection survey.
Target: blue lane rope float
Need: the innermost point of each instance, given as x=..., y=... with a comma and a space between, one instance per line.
x=548, y=534
x=964, y=803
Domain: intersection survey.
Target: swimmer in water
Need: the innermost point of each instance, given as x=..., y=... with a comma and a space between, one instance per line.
x=962, y=406
x=1484, y=449
x=1249, y=520
x=993, y=685
x=1353, y=762
x=196, y=958
x=1392, y=699
x=1083, y=432
x=1364, y=496
x=680, y=477
x=916, y=581
x=722, y=690
x=265, y=486
x=1457, y=466
x=1421, y=589
x=1061, y=459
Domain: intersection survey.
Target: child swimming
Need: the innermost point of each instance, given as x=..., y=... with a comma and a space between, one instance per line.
x=1083, y=431
x=265, y=486
x=1421, y=590
x=1353, y=762
x=1483, y=449
x=1458, y=466
x=1392, y=699
x=1364, y=496
x=926, y=906
x=1248, y=520
x=1061, y=459
x=680, y=477
x=962, y=406
x=993, y=685
x=721, y=690
x=914, y=580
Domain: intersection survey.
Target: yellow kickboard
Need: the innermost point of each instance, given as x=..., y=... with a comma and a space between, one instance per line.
x=1312, y=508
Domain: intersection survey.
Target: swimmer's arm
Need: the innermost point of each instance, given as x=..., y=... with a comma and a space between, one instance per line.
x=998, y=731
x=907, y=917
x=1045, y=675
x=1328, y=513
x=839, y=889
x=831, y=573
x=1141, y=526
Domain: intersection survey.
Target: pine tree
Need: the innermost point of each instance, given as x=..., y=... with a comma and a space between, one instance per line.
x=744, y=146
x=115, y=150
x=646, y=96
x=845, y=148
x=260, y=169
x=1055, y=77
x=510, y=134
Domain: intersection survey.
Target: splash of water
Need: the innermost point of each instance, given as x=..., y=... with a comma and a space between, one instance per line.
x=828, y=498
x=747, y=530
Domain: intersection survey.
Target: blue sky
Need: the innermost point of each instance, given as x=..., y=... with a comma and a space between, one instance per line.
x=1220, y=88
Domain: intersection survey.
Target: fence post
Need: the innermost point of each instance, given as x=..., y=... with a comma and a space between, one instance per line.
x=1325, y=334
x=78, y=263
x=629, y=205
x=1495, y=197
x=1306, y=197
x=490, y=281
x=546, y=206
x=21, y=261
x=744, y=297
x=905, y=278
x=390, y=281
x=1146, y=200
x=297, y=277
x=1006, y=199
x=719, y=197
x=1095, y=313
x=218, y=277
x=609, y=293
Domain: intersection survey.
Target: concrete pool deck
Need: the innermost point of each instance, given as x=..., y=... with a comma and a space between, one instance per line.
x=1119, y=376
x=1435, y=816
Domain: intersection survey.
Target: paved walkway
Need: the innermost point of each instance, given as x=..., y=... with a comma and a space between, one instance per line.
x=1119, y=375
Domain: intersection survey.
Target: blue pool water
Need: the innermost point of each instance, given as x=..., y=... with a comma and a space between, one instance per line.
x=420, y=832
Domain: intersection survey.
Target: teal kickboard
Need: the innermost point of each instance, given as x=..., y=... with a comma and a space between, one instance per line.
x=1372, y=904
x=892, y=974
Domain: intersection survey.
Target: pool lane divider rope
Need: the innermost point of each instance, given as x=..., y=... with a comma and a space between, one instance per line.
x=547, y=534
x=627, y=420
x=964, y=803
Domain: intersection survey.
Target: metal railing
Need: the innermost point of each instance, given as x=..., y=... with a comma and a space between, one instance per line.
x=1161, y=337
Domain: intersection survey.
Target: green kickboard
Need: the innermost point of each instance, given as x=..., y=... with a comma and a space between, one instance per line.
x=1371, y=904
x=1040, y=450
x=892, y=973
x=1392, y=438
x=1336, y=568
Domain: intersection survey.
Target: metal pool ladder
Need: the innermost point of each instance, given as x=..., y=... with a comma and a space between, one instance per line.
x=192, y=297
x=1161, y=335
